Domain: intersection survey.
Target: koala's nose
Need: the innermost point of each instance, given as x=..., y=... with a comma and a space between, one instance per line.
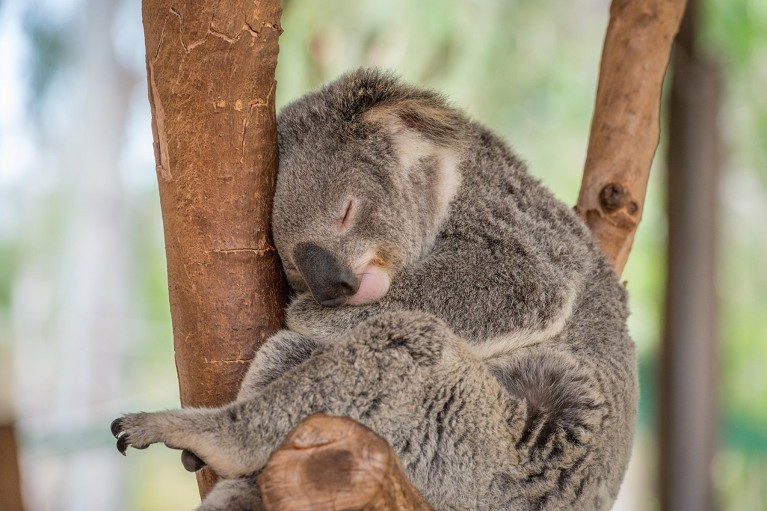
x=330, y=281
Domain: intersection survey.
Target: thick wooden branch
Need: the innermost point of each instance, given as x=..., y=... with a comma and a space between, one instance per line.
x=210, y=68
x=330, y=463
x=625, y=128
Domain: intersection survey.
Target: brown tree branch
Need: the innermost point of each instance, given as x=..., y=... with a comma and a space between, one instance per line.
x=625, y=128
x=210, y=68
x=330, y=463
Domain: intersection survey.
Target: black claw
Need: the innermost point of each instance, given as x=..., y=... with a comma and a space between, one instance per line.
x=122, y=444
x=116, y=427
x=191, y=461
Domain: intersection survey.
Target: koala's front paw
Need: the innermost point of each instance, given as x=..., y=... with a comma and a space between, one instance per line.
x=308, y=318
x=135, y=430
x=325, y=324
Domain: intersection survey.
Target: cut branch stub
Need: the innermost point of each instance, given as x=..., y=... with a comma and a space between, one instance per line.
x=625, y=128
x=330, y=463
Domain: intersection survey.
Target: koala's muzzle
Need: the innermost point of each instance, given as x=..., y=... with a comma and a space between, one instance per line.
x=330, y=281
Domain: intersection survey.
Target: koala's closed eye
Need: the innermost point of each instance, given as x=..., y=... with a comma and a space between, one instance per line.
x=348, y=214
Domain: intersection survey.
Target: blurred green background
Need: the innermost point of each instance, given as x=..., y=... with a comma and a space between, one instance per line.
x=84, y=324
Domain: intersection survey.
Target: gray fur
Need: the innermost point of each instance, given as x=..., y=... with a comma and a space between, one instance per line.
x=497, y=365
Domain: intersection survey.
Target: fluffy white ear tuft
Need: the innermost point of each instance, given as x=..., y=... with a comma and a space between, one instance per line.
x=424, y=129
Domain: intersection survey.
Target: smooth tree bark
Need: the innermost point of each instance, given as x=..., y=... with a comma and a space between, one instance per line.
x=625, y=129
x=210, y=69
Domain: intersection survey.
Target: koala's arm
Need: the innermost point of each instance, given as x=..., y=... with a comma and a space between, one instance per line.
x=280, y=353
x=495, y=298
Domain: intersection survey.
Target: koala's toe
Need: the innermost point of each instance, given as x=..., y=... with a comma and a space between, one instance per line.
x=122, y=444
x=191, y=462
x=116, y=427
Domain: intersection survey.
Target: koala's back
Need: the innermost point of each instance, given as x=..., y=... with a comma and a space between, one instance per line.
x=510, y=256
x=518, y=276
x=579, y=378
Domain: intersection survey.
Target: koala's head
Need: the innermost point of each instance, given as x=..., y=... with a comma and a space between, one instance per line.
x=368, y=167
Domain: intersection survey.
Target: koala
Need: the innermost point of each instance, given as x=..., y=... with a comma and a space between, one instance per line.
x=442, y=297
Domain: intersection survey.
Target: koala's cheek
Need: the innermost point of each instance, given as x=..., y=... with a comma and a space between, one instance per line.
x=374, y=284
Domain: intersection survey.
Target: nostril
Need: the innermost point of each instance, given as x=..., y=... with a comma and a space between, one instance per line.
x=348, y=287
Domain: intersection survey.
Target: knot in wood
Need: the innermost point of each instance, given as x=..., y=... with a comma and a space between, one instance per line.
x=332, y=468
x=614, y=197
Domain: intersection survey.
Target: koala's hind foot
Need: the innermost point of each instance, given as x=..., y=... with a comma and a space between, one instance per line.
x=199, y=432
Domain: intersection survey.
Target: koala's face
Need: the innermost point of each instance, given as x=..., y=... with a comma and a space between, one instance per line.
x=358, y=195
x=343, y=224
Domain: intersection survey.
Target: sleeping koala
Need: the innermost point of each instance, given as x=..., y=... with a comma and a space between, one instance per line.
x=441, y=297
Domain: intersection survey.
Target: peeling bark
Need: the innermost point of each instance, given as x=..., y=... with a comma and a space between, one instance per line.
x=210, y=69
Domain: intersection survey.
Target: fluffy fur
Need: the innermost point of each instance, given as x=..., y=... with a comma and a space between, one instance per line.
x=497, y=364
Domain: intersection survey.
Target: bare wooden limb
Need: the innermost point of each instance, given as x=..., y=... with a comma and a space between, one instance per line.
x=210, y=68
x=625, y=128
x=330, y=463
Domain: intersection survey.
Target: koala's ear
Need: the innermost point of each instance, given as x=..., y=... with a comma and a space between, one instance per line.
x=425, y=117
x=425, y=127
x=421, y=127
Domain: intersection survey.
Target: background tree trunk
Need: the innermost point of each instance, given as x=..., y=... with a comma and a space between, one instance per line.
x=10, y=479
x=210, y=68
x=687, y=427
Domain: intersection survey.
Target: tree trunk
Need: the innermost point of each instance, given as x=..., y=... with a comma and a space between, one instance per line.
x=687, y=424
x=625, y=129
x=210, y=68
